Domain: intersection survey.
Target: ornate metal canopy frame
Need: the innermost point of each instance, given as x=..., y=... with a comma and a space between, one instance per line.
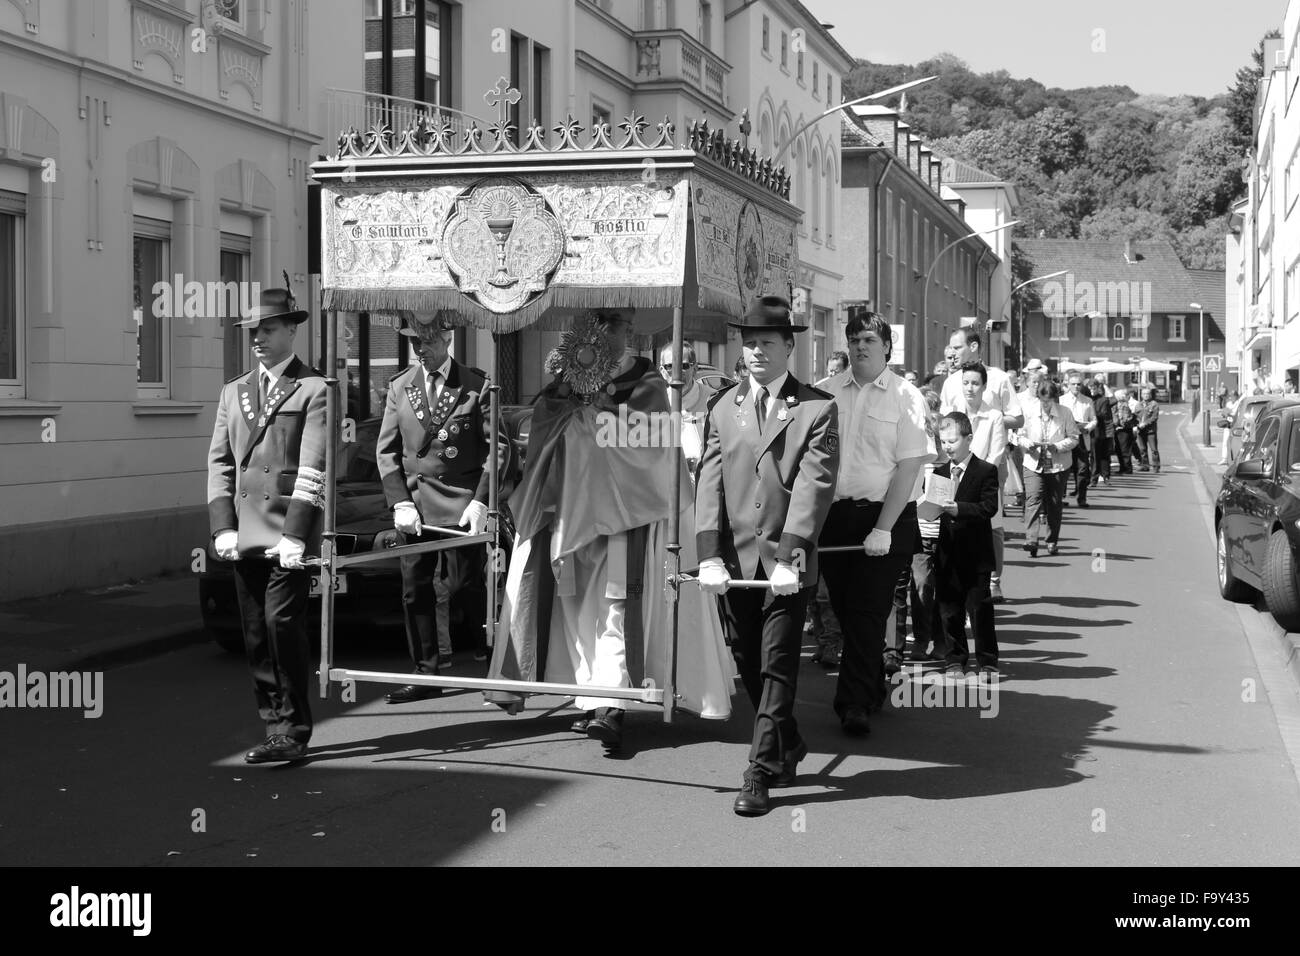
x=503, y=235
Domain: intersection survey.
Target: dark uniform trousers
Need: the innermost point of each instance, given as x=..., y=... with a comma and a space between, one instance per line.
x=862, y=595
x=273, y=605
x=766, y=637
x=419, y=601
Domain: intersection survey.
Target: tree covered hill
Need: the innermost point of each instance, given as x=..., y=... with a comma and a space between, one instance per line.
x=1094, y=163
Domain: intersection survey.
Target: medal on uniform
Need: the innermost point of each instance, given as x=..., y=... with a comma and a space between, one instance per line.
x=455, y=430
x=442, y=435
x=453, y=451
x=420, y=414
x=782, y=415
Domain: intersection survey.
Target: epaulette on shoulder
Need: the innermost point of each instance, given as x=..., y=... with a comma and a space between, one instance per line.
x=819, y=393
x=717, y=396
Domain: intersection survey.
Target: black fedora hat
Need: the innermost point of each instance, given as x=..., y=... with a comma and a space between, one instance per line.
x=274, y=304
x=768, y=313
x=418, y=321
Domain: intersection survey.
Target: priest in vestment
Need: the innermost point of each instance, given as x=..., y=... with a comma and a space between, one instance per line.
x=585, y=601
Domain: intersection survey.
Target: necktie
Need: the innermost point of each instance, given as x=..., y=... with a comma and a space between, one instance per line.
x=956, y=478
x=762, y=408
x=433, y=388
x=264, y=381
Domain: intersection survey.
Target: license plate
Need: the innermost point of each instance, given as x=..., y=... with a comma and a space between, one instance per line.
x=340, y=585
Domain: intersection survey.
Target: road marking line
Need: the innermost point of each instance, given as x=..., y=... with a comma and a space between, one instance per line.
x=1278, y=681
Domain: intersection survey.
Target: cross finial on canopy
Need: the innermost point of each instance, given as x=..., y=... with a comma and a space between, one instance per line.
x=502, y=96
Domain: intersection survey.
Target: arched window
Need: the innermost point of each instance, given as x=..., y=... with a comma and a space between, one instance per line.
x=765, y=145
x=830, y=199
x=815, y=210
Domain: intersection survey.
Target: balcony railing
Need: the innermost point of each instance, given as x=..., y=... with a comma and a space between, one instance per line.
x=675, y=55
x=345, y=109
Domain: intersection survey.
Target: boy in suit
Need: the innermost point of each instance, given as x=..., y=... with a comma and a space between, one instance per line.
x=765, y=484
x=964, y=553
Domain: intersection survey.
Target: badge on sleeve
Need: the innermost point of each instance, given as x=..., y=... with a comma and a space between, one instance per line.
x=833, y=442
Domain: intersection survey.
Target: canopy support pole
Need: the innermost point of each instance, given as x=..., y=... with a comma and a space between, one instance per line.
x=674, y=520
x=328, y=521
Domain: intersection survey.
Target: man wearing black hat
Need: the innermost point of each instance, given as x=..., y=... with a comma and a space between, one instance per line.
x=432, y=454
x=885, y=448
x=265, y=483
x=764, y=487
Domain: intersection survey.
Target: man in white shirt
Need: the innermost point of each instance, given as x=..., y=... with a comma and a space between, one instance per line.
x=1000, y=396
x=884, y=448
x=1078, y=402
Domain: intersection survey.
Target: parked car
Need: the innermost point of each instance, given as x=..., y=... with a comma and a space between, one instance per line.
x=1257, y=517
x=1242, y=423
x=713, y=378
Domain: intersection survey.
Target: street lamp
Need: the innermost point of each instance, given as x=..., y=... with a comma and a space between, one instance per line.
x=835, y=109
x=1012, y=296
x=1200, y=375
x=925, y=295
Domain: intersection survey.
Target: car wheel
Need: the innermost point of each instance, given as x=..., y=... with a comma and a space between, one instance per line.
x=230, y=641
x=1230, y=589
x=1281, y=590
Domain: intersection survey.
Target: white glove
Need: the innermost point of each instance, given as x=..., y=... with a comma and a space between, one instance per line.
x=406, y=518
x=227, y=546
x=877, y=543
x=290, y=553
x=784, y=580
x=713, y=576
x=475, y=516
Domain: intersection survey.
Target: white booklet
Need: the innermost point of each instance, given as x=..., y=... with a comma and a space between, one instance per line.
x=938, y=492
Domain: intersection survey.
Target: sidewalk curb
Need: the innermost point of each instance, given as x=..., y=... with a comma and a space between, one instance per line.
x=103, y=655
x=1288, y=644
x=137, y=647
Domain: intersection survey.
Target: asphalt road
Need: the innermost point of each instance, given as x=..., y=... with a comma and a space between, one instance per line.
x=1122, y=736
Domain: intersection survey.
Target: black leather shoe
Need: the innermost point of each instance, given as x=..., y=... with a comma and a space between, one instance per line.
x=752, y=799
x=607, y=727
x=791, y=770
x=278, y=748
x=413, y=692
x=579, y=726
x=855, y=723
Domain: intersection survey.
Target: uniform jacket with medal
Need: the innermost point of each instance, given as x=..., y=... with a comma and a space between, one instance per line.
x=437, y=457
x=266, y=470
x=764, y=497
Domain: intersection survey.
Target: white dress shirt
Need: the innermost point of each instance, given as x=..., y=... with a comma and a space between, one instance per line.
x=433, y=386
x=882, y=422
x=773, y=389
x=273, y=374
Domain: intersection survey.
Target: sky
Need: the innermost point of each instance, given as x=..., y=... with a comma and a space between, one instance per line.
x=1153, y=46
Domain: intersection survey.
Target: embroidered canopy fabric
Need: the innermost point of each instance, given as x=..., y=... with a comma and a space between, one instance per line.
x=512, y=237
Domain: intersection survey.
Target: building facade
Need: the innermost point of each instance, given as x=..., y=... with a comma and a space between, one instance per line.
x=1122, y=302
x=153, y=167
x=769, y=63
x=1263, y=255
x=913, y=255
